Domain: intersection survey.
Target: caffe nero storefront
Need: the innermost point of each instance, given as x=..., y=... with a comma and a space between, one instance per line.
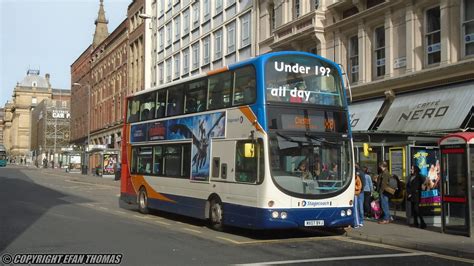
x=405, y=130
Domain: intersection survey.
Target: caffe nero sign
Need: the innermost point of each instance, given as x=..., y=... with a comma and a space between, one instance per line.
x=426, y=110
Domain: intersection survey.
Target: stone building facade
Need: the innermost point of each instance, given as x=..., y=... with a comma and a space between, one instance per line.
x=27, y=94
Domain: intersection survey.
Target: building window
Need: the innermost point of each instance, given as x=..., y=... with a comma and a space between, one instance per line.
x=379, y=51
x=186, y=61
x=218, y=44
x=314, y=4
x=231, y=38
x=168, y=70
x=468, y=27
x=245, y=30
x=186, y=18
x=218, y=6
x=195, y=48
x=161, y=73
x=168, y=34
x=206, y=10
x=297, y=8
x=176, y=66
x=206, y=47
x=350, y=12
x=196, y=15
x=161, y=7
x=161, y=34
x=354, y=58
x=433, y=35
x=177, y=28
x=272, y=17
x=230, y=2
x=372, y=3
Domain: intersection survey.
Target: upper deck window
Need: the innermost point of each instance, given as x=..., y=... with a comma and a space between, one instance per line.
x=302, y=79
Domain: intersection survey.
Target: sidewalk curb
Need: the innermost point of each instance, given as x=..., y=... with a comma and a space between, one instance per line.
x=410, y=245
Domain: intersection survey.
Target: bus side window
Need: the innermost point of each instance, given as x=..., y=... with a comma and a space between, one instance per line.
x=133, y=110
x=219, y=90
x=161, y=104
x=245, y=87
x=147, y=106
x=158, y=160
x=196, y=96
x=133, y=167
x=175, y=101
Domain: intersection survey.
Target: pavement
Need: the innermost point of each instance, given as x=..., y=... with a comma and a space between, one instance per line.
x=397, y=233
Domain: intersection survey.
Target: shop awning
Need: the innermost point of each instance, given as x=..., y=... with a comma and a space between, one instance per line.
x=362, y=114
x=433, y=110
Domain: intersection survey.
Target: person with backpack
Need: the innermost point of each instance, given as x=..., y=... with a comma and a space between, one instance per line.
x=414, y=195
x=385, y=191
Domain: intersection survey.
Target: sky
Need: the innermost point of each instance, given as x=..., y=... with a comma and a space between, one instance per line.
x=48, y=35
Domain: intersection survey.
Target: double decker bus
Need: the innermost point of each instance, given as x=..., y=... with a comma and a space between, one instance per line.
x=260, y=144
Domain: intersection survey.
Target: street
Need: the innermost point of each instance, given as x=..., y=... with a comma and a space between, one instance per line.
x=57, y=213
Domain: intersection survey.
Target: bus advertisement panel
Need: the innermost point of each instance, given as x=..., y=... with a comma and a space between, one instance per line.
x=260, y=144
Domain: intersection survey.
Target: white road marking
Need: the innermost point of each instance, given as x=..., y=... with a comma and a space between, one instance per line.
x=192, y=230
x=280, y=240
x=380, y=245
x=161, y=222
x=342, y=258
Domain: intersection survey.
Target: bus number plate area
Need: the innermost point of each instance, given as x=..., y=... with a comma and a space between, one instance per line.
x=314, y=223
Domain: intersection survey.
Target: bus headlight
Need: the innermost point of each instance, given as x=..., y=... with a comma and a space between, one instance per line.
x=349, y=212
x=343, y=213
x=275, y=214
x=284, y=215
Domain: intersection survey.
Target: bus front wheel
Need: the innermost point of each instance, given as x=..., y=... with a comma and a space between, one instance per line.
x=143, y=201
x=216, y=214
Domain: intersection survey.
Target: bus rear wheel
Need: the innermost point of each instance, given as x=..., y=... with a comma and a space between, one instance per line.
x=216, y=214
x=143, y=201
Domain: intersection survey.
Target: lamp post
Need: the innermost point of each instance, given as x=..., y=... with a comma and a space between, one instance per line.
x=88, y=120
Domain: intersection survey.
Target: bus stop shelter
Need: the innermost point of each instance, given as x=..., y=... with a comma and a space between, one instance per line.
x=457, y=168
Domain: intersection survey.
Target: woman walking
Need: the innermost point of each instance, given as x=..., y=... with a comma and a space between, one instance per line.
x=414, y=194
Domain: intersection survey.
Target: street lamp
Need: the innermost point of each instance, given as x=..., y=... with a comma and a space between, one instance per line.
x=88, y=114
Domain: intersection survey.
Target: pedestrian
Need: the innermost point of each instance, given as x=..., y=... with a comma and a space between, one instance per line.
x=414, y=194
x=368, y=189
x=358, y=219
x=384, y=196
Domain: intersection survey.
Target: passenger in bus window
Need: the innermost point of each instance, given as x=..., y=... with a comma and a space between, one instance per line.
x=144, y=115
x=249, y=91
x=317, y=169
x=173, y=107
x=304, y=170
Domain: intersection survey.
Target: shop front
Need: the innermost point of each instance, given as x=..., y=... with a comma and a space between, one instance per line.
x=405, y=131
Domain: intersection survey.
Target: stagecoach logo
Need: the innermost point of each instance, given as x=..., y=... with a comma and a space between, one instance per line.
x=312, y=203
x=234, y=120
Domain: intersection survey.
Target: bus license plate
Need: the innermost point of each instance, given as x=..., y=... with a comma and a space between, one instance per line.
x=314, y=223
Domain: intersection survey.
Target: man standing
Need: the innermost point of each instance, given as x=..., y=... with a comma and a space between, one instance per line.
x=384, y=197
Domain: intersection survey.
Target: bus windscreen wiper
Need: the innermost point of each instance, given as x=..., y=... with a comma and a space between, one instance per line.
x=308, y=135
x=290, y=139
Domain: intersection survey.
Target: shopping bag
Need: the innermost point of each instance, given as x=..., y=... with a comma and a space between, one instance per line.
x=376, y=210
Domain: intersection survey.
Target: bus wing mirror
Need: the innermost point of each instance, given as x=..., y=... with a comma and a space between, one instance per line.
x=249, y=150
